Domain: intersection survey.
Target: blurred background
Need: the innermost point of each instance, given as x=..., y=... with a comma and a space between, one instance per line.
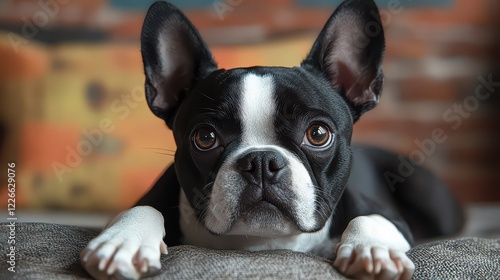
x=74, y=119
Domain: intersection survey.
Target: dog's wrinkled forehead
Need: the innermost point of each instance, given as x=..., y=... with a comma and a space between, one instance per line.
x=259, y=102
x=238, y=102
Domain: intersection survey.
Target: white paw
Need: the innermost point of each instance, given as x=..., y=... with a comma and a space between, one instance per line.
x=373, y=262
x=128, y=249
x=371, y=247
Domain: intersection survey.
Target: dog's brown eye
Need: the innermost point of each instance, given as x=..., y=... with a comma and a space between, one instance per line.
x=205, y=139
x=318, y=135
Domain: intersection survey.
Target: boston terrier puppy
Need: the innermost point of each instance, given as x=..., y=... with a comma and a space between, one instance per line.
x=264, y=159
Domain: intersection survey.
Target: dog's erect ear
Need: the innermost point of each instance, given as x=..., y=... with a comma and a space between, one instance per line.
x=349, y=51
x=174, y=57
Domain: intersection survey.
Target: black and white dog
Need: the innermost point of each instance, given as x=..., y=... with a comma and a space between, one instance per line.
x=264, y=159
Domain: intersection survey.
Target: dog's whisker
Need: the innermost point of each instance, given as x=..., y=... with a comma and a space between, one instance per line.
x=321, y=214
x=165, y=154
x=209, y=109
x=160, y=149
x=200, y=202
x=208, y=185
x=205, y=95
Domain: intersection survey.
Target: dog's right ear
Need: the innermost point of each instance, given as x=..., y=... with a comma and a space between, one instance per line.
x=174, y=57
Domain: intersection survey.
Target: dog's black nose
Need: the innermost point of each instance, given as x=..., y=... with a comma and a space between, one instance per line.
x=262, y=167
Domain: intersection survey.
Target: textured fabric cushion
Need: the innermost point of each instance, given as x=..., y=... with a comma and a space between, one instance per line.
x=49, y=251
x=465, y=258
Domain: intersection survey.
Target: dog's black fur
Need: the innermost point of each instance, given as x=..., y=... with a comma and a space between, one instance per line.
x=421, y=204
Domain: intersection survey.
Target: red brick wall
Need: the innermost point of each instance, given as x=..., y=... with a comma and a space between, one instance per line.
x=434, y=59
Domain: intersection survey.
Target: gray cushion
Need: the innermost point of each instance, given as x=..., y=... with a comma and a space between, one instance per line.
x=50, y=251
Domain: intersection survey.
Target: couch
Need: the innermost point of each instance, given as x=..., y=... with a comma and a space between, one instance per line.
x=51, y=251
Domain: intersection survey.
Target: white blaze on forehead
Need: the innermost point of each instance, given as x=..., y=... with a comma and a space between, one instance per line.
x=258, y=110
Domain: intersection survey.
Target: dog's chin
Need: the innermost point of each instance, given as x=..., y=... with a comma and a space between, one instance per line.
x=263, y=219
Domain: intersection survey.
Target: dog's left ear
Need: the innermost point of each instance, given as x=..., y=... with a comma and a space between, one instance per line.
x=174, y=56
x=349, y=52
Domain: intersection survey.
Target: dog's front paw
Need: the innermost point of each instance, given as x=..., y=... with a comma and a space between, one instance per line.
x=371, y=247
x=124, y=251
x=373, y=262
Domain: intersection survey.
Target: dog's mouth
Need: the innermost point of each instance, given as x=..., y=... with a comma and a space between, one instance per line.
x=263, y=218
x=262, y=208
